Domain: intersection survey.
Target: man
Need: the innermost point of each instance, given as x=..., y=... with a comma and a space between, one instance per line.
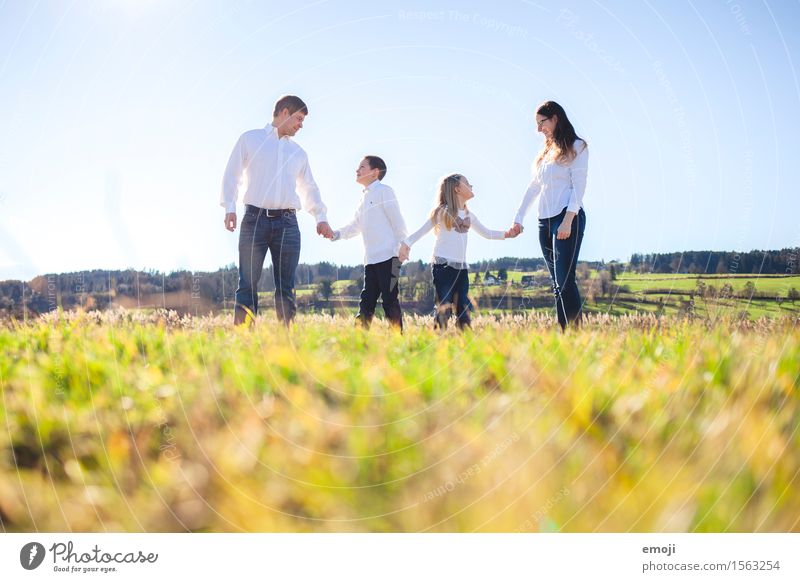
x=379, y=221
x=276, y=171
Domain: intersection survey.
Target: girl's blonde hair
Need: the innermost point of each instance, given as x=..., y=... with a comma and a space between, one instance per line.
x=446, y=209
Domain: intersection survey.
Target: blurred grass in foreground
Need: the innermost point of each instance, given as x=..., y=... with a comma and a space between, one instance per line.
x=122, y=421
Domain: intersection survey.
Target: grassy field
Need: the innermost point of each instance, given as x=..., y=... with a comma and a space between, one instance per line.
x=772, y=284
x=127, y=421
x=666, y=294
x=769, y=285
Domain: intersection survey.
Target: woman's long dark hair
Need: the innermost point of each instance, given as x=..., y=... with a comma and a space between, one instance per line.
x=564, y=136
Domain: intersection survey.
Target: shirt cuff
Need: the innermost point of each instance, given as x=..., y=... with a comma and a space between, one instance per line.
x=574, y=207
x=229, y=208
x=518, y=219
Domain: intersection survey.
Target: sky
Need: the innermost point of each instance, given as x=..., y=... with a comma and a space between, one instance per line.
x=118, y=117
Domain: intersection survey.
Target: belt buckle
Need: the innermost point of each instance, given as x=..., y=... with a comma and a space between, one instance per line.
x=270, y=215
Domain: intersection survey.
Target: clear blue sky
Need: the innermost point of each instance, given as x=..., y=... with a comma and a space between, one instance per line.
x=117, y=118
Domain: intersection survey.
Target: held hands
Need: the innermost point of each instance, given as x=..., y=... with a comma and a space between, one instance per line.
x=325, y=230
x=230, y=221
x=403, y=254
x=514, y=231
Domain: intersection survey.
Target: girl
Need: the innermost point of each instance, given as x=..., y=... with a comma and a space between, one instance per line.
x=451, y=220
x=559, y=181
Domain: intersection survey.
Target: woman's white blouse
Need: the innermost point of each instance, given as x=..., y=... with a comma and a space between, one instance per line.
x=557, y=185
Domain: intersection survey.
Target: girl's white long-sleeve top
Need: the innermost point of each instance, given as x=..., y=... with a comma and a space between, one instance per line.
x=557, y=185
x=451, y=245
x=379, y=220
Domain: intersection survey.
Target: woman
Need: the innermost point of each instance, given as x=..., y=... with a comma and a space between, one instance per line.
x=559, y=181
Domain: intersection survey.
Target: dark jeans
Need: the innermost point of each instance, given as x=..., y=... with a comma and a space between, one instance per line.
x=381, y=280
x=280, y=236
x=561, y=257
x=452, y=286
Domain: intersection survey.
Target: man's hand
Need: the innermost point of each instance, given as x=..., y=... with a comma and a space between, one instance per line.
x=515, y=230
x=403, y=254
x=325, y=230
x=230, y=221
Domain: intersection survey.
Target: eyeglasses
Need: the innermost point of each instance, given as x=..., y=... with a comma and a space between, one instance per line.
x=539, y=123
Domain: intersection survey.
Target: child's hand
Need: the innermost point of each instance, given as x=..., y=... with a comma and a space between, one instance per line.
x=403, y=254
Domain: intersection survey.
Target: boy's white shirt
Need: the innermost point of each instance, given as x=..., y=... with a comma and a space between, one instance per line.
x=379, y=221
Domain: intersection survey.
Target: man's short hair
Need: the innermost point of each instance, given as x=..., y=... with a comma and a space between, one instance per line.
x=376, y=163
x=291, y=102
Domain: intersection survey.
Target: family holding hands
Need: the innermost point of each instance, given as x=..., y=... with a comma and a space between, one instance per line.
x=279, y=182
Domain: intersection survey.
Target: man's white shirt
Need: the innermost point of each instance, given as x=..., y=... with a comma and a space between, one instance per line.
x=275, y=173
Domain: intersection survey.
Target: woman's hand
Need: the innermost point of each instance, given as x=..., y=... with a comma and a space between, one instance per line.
x=565, y=229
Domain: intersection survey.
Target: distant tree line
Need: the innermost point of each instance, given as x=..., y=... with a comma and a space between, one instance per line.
x=203, y=291
x=782, y=262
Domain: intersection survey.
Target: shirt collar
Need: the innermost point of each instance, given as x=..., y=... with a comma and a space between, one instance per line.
x=372, y=186
x=272, y=130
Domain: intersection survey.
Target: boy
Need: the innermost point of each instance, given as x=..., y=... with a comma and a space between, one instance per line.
x=379, y=221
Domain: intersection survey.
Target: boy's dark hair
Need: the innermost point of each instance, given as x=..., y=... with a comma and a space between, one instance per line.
x=376, y=163
x=292, y=103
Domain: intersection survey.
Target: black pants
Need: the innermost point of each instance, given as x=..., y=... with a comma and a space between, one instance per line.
x=381, y=280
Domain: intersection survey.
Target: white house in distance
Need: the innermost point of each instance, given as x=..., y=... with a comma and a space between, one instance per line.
x=489, y=279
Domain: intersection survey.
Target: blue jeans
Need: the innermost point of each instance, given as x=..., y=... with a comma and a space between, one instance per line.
x=561, y=257
x=452, y=286
x=279, y=235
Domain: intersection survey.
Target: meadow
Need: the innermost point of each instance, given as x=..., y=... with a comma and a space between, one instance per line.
x=705, y=296
x=134, y=421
